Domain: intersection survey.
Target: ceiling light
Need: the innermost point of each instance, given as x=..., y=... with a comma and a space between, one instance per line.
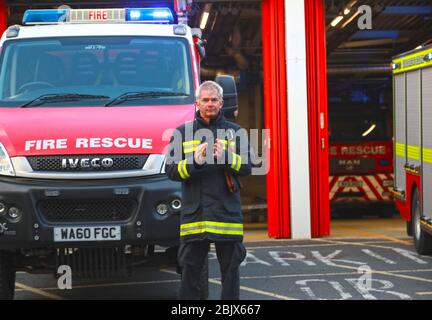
x=372, y=128
x=205, y=15
x=204, y=19
x=350, y=19
x=336, y=20
x=351, y=4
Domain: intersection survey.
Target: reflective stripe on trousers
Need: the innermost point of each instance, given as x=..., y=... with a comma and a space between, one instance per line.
x=211, y=227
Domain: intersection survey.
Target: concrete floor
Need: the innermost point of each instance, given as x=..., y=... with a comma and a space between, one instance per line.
x=363, y=227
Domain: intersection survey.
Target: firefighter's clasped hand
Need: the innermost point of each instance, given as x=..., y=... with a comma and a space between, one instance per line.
x=218, y=149
x=200, y=154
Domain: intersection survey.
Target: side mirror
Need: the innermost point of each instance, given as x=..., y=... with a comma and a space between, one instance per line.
x=199, y=42
x=230, y=107
x=200, y=46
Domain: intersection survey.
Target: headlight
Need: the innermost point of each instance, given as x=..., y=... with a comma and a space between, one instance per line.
x=155, y=164
x=6, y=167
x=163, y=166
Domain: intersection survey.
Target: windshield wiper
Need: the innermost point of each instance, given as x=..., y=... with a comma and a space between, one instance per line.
x=142, y=94
x=60, y=97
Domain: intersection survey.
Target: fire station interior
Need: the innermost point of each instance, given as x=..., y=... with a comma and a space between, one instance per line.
x=358, y=75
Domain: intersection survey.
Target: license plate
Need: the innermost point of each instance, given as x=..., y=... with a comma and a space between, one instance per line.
x=351, y=183
x=94, y=233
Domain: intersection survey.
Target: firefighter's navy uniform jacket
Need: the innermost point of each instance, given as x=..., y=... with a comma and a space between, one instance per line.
x=209, y=210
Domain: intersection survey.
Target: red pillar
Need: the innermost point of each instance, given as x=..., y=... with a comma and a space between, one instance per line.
x=3, y=16
x=316, y=67
x=275, y=117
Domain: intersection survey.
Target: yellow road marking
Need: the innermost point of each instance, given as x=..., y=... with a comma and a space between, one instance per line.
x=379, y=235
x=264, y=293
x=424, y=293
x=116, y=284
x=38, y=291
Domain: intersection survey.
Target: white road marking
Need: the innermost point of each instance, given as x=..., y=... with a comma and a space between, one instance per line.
x=410, y=255
x=369, y=245
x=253, y=290
x=377, y=256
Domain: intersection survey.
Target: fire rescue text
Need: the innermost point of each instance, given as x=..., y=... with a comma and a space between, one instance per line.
x=88, y=143
x=358, y=150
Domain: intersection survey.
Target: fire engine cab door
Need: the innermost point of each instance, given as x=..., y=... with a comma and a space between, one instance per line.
x=400, y=130
x=427, y=141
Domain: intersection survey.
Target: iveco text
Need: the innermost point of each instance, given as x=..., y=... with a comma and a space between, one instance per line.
x=134, y=143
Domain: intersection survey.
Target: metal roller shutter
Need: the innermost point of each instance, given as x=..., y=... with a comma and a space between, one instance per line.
x=400, y=130
x=427, y=141
x=413, y=117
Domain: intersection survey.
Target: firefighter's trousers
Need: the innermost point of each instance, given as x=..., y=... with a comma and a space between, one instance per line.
x=192, y=256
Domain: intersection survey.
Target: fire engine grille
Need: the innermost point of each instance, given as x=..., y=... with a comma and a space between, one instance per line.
x=351, y=165
x=94, y=262
x=88, y=163
x=101, y=210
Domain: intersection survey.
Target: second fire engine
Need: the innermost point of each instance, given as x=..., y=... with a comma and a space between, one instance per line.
x=412, y=84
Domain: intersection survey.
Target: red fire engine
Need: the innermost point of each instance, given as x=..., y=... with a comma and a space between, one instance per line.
x=412, y=88
x=360, y=156
x=88, y=101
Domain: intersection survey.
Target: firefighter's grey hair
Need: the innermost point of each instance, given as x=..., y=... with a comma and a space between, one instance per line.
x=209, y=85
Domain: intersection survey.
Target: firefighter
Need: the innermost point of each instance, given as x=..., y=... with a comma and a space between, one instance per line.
x=207, y=156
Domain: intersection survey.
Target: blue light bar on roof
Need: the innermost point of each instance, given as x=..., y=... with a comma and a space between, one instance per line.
x=45, y=16
x=161, y=15
x=144, y=15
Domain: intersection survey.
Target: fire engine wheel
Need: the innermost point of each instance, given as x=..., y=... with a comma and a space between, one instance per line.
x=422, y=240
x=7, y=277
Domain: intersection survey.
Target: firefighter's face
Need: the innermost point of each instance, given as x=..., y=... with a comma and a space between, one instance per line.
x=209, y=104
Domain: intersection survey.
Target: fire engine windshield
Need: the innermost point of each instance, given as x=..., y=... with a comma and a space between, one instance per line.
x=104, y=67
x=358, y=127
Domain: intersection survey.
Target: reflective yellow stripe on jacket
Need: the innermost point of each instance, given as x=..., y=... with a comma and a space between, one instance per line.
x=190, y=146
x=228, y=143
x=211, y=227
x=236, y=161
x=182, y=170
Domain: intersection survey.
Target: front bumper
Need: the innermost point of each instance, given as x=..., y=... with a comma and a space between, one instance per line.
x=140, y=225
